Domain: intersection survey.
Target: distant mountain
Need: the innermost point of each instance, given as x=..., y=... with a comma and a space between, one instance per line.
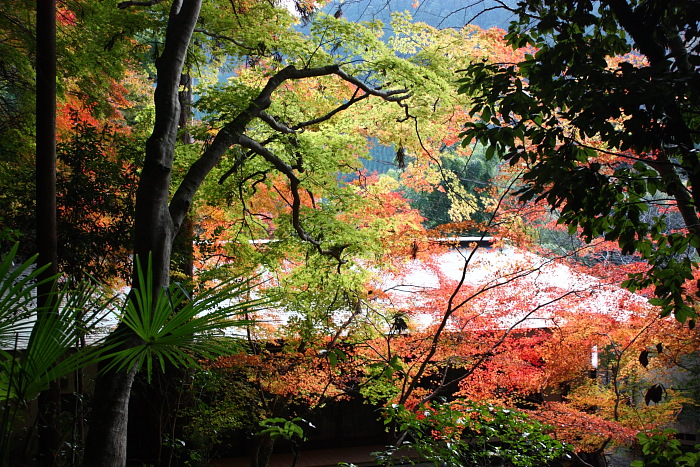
x=437, y=13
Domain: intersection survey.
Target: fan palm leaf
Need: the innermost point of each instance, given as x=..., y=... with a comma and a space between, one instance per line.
x=174, y=327
x=38, y=342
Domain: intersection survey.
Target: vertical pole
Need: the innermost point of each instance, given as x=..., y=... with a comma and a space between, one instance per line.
x=46, y=217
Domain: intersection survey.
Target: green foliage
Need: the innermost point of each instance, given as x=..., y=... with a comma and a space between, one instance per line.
x=605, y=140
x=459, y=195
x=382, y=380
x=458, y=434
x=256, y=32
x=219, y=403
x=41, y=345
x=43, y=335
x=414, y=57
x=280, y=428
x=290, y=430
x=662, y=449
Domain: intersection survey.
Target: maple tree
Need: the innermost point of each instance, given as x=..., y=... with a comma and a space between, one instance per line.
x=310, y=285
x=292, y=153
x=493, y=349
x=481, y=358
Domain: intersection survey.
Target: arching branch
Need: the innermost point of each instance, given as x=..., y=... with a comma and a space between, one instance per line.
x=274, y=124
x=222, y=37
x=336, y=250
x=234, y=133
x=127, y=4
x=353, y=100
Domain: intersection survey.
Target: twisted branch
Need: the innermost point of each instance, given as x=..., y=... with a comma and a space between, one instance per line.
x=234, y=133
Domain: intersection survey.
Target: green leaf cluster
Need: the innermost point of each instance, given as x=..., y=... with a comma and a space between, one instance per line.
x=40, y=345
x=661, y=449
x=172, y=327
x=470, y=433
x=36, y=342
x=460, y=194
x=280, y=428
x=604, y=124
x=219, y=403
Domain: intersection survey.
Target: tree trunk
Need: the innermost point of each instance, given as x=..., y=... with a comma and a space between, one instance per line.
x=184, y=241
x=46, y=221
x=262, y=451
x=145, y=441
x=106, y=440
x=154, y=231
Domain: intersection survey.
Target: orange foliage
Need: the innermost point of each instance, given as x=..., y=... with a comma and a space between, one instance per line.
x=307, y=378
x=588, y=432
x=514, y=325
x=516, y=331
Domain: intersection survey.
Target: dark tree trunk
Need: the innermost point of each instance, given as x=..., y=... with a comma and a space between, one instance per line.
x=262, y=451
x=155, y=404
x=154, y=230
x=106, y=441
x=145, y=431
x=46, y=222
x=184, y=241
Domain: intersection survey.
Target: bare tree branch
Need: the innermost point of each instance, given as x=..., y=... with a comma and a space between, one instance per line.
x=452, y=307
x=222, y=37
x=274, y=124
x=354, y=99
x=294, y=182
x=270, y=157
x=395, y=95
x=497, y=5
x=488, y=354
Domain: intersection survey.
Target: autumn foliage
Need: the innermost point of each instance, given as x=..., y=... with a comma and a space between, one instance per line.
x=527, y=314
x=535, y=322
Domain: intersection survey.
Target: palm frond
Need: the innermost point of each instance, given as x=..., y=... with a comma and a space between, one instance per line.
x=39, y=343
x=179, y=329
x=18, y=297
x=50, y=351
